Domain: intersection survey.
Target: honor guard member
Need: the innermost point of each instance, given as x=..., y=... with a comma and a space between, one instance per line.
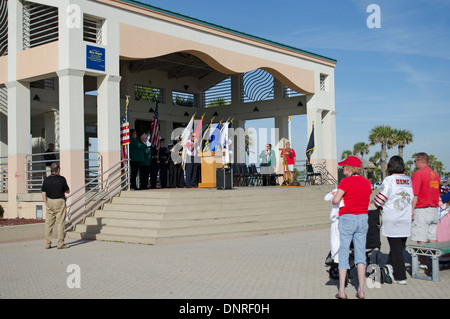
x=136, y=158
x=176, y=173
x=154, y=166
x=163, y=161
x=144, y=172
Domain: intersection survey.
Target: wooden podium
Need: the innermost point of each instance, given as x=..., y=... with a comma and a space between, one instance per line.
x=211, y=161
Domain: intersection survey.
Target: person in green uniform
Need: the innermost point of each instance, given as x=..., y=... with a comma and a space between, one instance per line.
x=136, y=158
x=144, y=171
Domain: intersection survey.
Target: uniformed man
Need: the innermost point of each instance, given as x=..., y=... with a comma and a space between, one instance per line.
x=163, y=161
x=144, y=171
x=154, y=166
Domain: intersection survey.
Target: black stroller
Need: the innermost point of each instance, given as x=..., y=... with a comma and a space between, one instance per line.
x=373, y=243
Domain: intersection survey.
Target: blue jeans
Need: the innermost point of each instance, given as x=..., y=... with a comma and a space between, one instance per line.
x=352, y=228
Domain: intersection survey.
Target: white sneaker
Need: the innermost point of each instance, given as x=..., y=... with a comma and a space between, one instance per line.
x=390, y=272
x=423, y=266
x=401, y=282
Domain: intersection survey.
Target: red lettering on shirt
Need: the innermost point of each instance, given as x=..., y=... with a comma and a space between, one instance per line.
x=402, y=181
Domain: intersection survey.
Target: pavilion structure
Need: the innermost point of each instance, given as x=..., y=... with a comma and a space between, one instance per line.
x=66, y=67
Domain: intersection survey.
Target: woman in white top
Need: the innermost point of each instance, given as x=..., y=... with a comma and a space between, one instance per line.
x=395, y=196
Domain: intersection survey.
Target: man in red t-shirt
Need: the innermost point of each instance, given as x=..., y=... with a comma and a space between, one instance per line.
x=425, y=203
x=290, y=159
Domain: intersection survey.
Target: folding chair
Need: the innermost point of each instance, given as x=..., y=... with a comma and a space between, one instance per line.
x=256, y=174
x=238, y=179
x=311, y=174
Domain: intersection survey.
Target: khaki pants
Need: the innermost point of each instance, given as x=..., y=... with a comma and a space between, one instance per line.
x=56, y=212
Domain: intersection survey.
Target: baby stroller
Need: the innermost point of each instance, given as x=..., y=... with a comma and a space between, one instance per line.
x=373, y=243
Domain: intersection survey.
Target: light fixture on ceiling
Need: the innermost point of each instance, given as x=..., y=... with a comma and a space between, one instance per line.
x=300, y=103
x=215, y=114
x=151, y=110
x=36, y=98
x=186, y=114
x=255, y=109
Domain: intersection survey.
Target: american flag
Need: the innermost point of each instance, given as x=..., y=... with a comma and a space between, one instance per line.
x=154, y=129
x=125, y=133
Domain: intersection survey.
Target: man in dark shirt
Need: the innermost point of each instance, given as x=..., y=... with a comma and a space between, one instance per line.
x=50, y=157
x=53, y=190
x=163, y=163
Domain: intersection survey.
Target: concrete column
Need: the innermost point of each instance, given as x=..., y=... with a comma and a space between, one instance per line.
x=235, y=90
x=324, y=136
x=109, y=119
x=329, y=140
x=239, y=141
x=282, y=123
x=50, y=128
x=71, y=106
x=166, y=130
x=281, y=132
x=19, y=141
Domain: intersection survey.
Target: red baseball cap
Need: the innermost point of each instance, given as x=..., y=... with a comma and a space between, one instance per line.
x=351, y=161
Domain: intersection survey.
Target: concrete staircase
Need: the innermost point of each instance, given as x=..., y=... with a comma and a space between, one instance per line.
x=179, y=215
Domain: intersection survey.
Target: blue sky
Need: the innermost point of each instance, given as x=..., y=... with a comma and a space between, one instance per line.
x=398, y=74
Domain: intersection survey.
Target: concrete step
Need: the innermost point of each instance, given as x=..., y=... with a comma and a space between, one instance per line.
x=213, y=200
x=174, y=215
x=140, y=212
x=206, y=204
x=236, y=192
x=150, y=221
x=164, y=235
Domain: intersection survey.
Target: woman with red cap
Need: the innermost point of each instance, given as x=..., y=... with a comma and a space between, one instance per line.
x=355, y=191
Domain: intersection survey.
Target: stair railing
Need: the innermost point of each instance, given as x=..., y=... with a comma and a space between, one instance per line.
x=88, y=198
x=326, y=178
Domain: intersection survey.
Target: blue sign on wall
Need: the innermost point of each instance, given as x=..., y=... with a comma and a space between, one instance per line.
x=95, y=58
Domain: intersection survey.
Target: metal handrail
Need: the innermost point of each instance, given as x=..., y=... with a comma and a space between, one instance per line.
x=89, y=198
x=326, y=177
x=36, y=171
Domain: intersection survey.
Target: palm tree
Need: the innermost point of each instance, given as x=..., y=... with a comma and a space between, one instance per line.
x=401, y=138
x=346, y=154
x=374, y=159
x=381, y=134
x=360, y=148
x=410, y=163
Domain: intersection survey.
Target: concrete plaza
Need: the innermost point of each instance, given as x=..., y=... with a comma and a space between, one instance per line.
x=276, y=266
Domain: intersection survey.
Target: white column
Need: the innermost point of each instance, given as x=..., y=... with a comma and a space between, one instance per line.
x=19, y=141
x=282, y=123
x=282, y=130
x=329, y=140
x=109, y=119
x=71, y=106
x=239, y=141
x=50, y=128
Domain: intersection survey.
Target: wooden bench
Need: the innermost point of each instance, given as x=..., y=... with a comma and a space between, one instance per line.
x=433, y=250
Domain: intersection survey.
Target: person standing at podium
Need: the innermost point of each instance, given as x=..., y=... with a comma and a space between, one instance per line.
x=193, y=151
x=268, y=162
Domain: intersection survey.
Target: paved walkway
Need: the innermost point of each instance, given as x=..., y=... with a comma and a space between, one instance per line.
x=263, y=267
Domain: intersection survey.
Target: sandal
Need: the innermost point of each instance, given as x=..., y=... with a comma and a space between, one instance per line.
x=358, y=296
x=338, y=297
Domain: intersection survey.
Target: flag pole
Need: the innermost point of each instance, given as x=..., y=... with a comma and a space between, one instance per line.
x=128, y=145
x=290, y=136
